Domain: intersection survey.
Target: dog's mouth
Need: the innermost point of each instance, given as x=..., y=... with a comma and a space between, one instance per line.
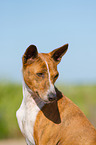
x=51, y=97
x=48, y=98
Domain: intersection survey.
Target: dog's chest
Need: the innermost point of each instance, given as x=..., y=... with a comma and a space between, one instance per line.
x=26, y=116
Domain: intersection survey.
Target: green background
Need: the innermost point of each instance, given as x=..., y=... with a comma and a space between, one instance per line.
x=11, y=97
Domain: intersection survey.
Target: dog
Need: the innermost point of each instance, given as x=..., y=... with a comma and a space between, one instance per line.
x=46, y=116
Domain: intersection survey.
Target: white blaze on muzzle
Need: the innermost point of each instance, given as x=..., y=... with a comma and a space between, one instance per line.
x=51, y=93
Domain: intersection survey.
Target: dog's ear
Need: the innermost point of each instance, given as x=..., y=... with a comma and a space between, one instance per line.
x=30, y=54
x=59, y=52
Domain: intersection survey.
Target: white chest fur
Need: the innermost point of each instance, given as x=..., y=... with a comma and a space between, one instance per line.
x=26, y=114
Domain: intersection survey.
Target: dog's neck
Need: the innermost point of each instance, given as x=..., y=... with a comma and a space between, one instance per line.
x=30, y=96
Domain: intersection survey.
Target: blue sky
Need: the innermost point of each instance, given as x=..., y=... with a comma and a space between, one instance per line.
x=49, y=25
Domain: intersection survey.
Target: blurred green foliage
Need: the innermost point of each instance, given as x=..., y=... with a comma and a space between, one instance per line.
x=10, y=100
x=11, y=97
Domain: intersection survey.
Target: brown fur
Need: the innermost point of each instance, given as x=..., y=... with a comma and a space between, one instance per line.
x=60, y=122
x=35, y=64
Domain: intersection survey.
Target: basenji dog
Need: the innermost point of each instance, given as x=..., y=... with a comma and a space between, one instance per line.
x=46, y=116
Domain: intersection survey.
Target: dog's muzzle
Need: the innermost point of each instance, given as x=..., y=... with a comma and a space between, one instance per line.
x=52, y=96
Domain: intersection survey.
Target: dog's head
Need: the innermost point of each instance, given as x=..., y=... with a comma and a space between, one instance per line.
x=40, y=71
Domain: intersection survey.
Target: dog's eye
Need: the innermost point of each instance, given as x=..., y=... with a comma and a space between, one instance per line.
x=40, y=74
x=56, y=76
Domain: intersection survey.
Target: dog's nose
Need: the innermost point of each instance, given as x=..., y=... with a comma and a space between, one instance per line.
x=52, y=96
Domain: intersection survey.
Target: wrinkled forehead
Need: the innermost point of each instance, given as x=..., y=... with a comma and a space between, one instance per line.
x=38, y=65
x=48, y=61
x=42, y=63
